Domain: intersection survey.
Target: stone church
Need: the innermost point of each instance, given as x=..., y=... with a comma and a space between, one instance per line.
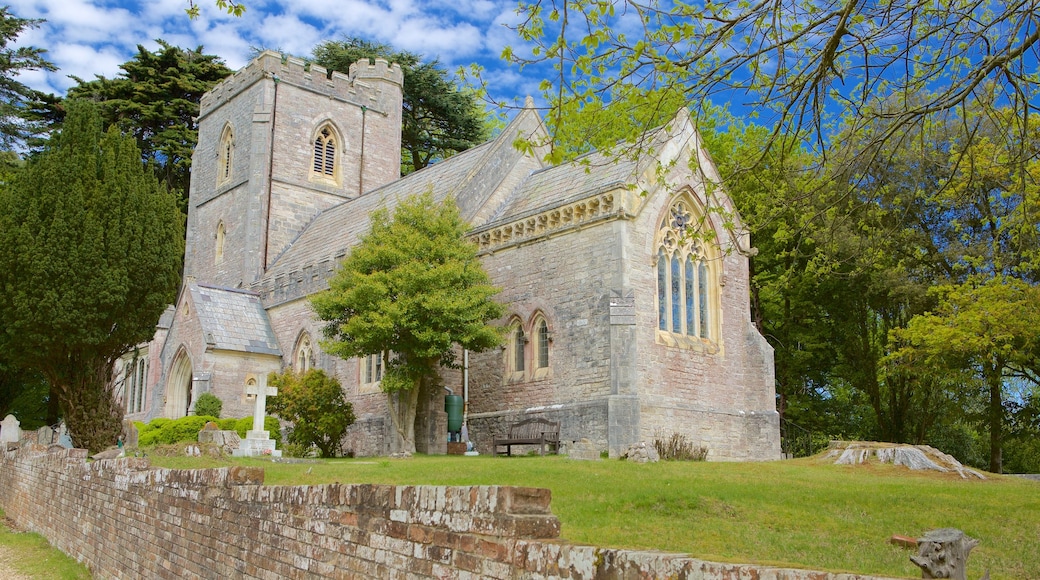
x=622, y=324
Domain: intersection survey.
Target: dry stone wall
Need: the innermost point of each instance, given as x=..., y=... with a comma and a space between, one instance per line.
x=125, y=519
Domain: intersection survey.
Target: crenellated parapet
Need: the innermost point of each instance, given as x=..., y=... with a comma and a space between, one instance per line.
x=359, y=86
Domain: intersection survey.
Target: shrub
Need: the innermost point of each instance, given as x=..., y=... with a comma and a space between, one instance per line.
x=174, y=431
x=314, y=403
x=208, y=404
x=679, y=448
x=229, y=424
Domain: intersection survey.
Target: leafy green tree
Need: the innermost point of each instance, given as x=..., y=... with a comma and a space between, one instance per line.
x=799, y=64
x=18, y=102
x=313, y=402
x=413, y=287
x=439, y=118
x=156, y=99
x=91, y=255
x=987, y=327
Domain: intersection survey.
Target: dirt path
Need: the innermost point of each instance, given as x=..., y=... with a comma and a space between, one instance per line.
x=6, y=572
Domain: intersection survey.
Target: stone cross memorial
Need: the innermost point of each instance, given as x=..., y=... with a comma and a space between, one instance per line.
x=258, y=441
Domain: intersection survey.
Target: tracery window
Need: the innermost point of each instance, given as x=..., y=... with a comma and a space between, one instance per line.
x=303, y=358
x=685, y=287
x=325, y=153
x=225, y=155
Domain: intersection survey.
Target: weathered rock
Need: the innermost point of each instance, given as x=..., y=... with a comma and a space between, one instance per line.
x=912, y=456
x=641, y=452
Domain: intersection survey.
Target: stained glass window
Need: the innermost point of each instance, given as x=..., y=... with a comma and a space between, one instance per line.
x=662, y=290
x=684, y=289
x=702, y=275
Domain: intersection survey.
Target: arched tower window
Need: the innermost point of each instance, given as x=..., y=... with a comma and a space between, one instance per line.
x=303, y=356
x=325, y=144
x=226, y=154
x=218, y=255
x=685, y=261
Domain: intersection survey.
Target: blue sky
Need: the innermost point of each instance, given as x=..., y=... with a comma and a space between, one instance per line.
x=84, y=38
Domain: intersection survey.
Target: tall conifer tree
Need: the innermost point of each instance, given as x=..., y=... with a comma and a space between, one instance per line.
x=90, y=254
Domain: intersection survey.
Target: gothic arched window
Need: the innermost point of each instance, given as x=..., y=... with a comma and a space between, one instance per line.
x=303, y=357
x=225, y=155
x=218, y=255
x=325, y=144
x=686, y=291
x=542, y=337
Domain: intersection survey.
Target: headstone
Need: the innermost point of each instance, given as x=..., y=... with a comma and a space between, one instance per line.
x=258, y=441
x=45, y=435
x=130, y=434
x=9, y=430
x=943, y=553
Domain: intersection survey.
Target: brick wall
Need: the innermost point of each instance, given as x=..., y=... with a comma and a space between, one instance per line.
x=124, y=519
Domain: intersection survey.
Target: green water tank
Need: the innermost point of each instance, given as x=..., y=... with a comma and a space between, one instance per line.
x=453, y=406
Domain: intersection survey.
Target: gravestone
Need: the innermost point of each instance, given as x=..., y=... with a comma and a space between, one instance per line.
x=9, y=430
x=45, y=435
x=258, y=442
x=130, y=434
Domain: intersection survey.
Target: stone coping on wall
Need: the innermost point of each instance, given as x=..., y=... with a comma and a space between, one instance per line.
x=126, y=519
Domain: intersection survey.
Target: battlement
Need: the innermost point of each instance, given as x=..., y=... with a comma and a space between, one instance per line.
x=297, y=72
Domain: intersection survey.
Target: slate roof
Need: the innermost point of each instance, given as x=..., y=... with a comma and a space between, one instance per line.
x=334, y=231
x=338, y=228
x=233, y=319
x=563, y=184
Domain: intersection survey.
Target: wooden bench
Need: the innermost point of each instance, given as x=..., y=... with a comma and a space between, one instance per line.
x=540, y=432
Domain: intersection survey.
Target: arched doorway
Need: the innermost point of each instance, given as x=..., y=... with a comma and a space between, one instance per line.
x=178, y=387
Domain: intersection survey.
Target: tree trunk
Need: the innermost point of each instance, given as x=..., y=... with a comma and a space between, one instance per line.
x=996, y=420
x=403, y=405
x=91, y=413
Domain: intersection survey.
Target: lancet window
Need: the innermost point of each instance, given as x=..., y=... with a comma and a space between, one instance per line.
x=325, y=153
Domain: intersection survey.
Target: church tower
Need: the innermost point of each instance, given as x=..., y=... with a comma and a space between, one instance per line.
x=280, y=141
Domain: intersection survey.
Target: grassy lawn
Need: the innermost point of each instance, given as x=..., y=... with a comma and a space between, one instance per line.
x=800, y=513
x=31, y=555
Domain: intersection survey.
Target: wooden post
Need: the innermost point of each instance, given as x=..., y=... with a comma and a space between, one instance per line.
x=943, y=553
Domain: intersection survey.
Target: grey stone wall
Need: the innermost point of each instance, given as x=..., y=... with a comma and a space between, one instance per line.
x=125, y=519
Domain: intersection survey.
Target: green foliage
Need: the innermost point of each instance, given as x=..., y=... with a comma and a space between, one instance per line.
x=156, y=99
x=208, y=404
x=313, y=402
x=800, y=73
x=19, y=104
x=174, y=431
x=271, y=425
x=229, y=424
x=439, y=118
x=92, y=255
x=162, y=431
x=412, y=287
